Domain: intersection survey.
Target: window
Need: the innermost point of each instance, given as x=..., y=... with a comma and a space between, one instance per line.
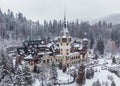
x=56, y=60
x=31, y=62
x=69, y=39
x=47, y=61
x=67, y=49
x=64, y=40
x=72, y=58
x=43, y=61
x=67, y=44
x=38, y=61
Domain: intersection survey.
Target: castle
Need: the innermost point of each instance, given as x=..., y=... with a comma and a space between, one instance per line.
x=66, y=51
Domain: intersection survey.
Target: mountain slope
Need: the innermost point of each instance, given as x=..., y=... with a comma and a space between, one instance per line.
x=114, y=18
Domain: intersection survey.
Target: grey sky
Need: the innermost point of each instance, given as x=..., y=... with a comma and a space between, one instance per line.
x=54, y=9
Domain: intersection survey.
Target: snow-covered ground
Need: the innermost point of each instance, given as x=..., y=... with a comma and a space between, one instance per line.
x=63, y=77
x=103, y=77
x=101, y=74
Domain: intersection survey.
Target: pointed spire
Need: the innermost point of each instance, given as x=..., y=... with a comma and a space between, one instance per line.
x=65, y=18
x=65, y=31
x=65, y=23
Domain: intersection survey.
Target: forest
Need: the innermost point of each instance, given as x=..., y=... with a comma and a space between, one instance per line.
x=17, y=26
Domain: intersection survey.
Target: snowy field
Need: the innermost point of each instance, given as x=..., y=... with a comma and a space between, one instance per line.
x=102, y=75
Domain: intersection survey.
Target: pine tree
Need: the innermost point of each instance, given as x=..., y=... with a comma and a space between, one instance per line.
x=113, y=60
x=60, y=65
x=54, y=73
x=89, y=73
x=7, y=66
x=100, y=46
x=18, y=78
x=64, y=68
x=91, y=40
x=113, y=83
x=27, y=76
x=92, y=72
x=81, y=75
x=6, y=81
x=98, y=83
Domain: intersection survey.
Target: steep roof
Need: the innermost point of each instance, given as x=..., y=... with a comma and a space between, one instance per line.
x=65, y=32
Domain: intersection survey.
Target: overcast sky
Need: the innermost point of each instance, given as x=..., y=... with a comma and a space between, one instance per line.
x=54, y=9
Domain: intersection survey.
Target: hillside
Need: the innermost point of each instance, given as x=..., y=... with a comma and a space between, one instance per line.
x=114, y=18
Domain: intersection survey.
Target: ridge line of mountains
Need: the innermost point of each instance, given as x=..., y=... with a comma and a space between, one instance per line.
x=113, y=18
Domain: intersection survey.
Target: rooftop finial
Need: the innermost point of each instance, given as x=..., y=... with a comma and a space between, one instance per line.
x=65, y=17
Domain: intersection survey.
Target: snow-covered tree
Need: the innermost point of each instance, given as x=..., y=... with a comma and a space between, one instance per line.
x=64, y=68
x=6, y=81
x=91, y=40
x=60, y=65
x=28, y=79
x=89, y=73
x=113, y=83
x=18, y=78
x=6, y=69
x=100, y=46
x=81, y=75
x=54, y=73
x=97, y=83
x=113, y=60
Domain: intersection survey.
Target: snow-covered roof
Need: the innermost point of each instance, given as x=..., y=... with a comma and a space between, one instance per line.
x=85, y=39
x=28, y=57
x=59, y=55
x=76, y=45
x=50, y=44
x=80, y=48
x=42, y=45
x=74, y=54
x=72, y=67
x=42, y=53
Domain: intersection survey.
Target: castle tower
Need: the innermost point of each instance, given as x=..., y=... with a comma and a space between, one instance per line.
x=65, y=42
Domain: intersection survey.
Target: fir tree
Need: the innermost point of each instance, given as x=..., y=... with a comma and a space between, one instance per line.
x=98, y=83
x=113, y=83
x=81, y=75
x=54, y=73
x=100, y=46
x=27, y=76
x=89, y=73
x=91, y=40
x=113, y=60
x=18, y=78
x=64, y=68
x=60, y=65
x=7, y=69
